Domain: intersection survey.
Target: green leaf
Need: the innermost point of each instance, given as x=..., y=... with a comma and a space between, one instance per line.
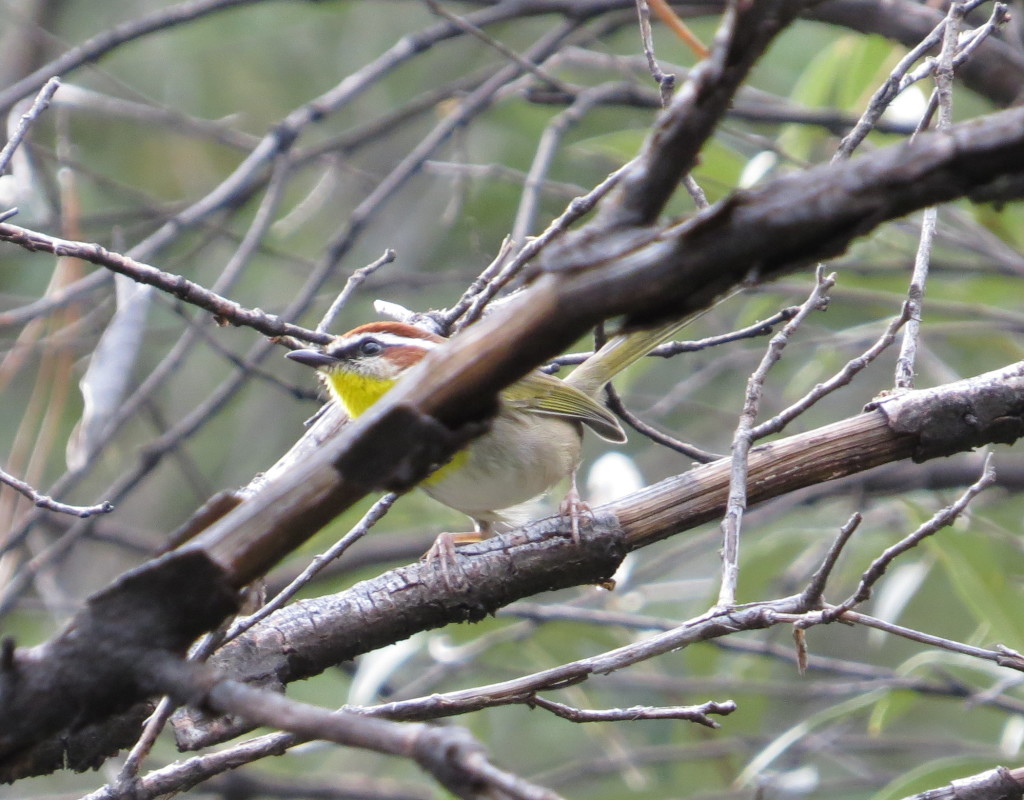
x=932, y=775
x=976, y=568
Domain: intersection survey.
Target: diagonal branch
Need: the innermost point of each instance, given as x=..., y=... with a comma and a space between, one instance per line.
x=671, y=150
x=920, y=425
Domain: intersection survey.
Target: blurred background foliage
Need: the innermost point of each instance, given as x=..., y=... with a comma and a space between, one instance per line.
x=158, y=122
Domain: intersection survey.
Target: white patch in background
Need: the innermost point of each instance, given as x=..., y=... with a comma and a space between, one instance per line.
x=612, y=476
x=907, y=107
x=757, y=168
x=107, y=378
x=1013, y=737
x=376, y=668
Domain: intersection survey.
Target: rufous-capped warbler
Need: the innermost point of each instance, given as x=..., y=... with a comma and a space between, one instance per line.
x=534, y=440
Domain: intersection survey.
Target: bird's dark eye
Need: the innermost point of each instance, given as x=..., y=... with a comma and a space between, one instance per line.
x=370, y=347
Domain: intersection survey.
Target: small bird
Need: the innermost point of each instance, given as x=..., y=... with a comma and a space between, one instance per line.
x=533, y=442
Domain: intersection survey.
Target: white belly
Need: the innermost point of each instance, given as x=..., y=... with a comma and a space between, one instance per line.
x=488, y=477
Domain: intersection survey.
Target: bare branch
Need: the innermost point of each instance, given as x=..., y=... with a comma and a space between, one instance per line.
x=370, y=518
x=918, y=279
x=670, y=349
x=466, y=314
x=690, y=451
x=39, y=105
x=666, y=83
x=669, y=153
x=463, y=24
x=942, y=519
x=43, y=501
x=815, y=590
x=995, y=784
x=895, y=84
x=743, y=438
x=840, y=379
x=553, y=134
x=224, y=310
x=698, y=714
x=354, y=281
x=450, y=754
x=996, y=656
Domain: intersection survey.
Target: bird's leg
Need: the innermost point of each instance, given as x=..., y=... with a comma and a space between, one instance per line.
x=574, y=507
x=443, y=549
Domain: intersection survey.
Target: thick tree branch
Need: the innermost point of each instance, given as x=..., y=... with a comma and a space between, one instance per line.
x=995, y=784
x=108, y=657
x=642, y=274
x=761, y=233
x=919, y=425
x=671, y=149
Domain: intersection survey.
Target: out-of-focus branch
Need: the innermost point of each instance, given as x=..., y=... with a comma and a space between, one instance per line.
x=995, y=784
x=42, y=501
x=672, y=147
x=226, y=311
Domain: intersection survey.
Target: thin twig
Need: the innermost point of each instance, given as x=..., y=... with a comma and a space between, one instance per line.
x=710, y=625
x=550, y=139
x=478, y=285
x=39, y=105
x=614, y=402
x=155, y=723
x=742, y=439
x=996, y=655
x=840, y=379
x=905, y=364
x=360, y=529
x=670, y=349
x=777, y=651
x=892, y=87
x=43, y=501
x=577, y=208
x=226, y=311
x=465, y=25
x=816, y=586
x=698, y=714
x=354, y=281
x=942, y=519
x=448, y=753
x=666, y=83
x=696, y=192
x=966, y=46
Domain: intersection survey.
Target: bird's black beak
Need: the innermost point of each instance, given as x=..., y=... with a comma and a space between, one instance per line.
x=312, y=358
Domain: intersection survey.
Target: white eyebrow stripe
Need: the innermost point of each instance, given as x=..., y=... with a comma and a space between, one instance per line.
x=389, y=339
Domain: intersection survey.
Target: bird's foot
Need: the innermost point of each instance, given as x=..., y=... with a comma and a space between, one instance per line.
x=574, y=507
x=442, y=552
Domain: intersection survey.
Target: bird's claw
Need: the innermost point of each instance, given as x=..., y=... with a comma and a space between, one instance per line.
x=574, y=507
x=443, y=553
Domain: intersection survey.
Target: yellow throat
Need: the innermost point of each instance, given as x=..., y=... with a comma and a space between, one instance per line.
x=354, y=392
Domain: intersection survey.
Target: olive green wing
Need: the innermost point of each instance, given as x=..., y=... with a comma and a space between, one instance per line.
x=540, y=393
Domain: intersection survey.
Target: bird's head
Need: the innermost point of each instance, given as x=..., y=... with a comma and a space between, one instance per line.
x=358, y=367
